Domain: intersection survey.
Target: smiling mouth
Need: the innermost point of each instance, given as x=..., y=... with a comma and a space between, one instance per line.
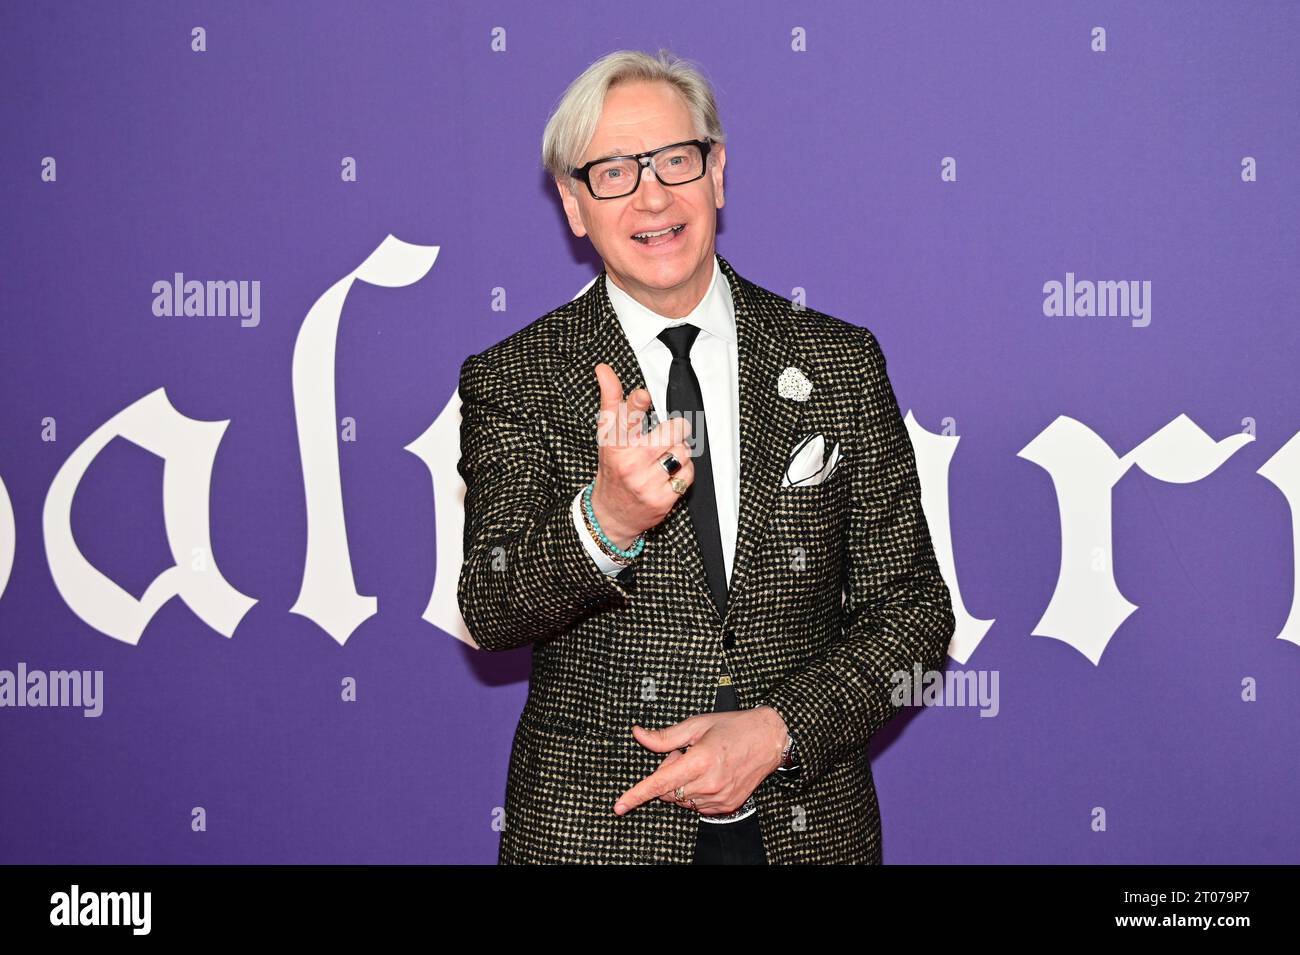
x=660, y=237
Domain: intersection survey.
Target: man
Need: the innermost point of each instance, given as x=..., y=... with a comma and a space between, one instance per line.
x=721, y=572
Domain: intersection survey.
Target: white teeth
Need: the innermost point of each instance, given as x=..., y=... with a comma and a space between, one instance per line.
x=651, y=235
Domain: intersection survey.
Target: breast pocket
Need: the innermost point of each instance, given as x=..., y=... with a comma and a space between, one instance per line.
x=806, y=498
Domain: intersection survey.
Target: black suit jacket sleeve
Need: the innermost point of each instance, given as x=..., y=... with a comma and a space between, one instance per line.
x=525, y=574
x=898, y=610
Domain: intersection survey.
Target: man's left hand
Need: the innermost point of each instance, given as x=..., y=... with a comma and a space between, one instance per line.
x=729, y=754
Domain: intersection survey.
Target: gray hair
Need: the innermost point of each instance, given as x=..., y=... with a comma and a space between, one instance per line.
x=571, y=126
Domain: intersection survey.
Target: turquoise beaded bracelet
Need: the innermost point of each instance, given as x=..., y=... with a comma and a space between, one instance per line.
x=637, y=545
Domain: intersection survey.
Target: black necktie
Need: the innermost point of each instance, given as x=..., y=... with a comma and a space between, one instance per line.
x=684, y=397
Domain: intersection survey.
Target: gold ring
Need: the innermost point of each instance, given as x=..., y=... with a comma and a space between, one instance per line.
x=679, y=484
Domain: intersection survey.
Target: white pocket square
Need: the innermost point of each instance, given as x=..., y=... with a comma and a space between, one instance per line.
x=808, y=464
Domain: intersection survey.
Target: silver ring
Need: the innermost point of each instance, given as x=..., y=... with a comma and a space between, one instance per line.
x=670, y=463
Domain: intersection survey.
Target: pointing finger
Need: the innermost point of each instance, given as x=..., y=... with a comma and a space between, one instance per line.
x=665, y=779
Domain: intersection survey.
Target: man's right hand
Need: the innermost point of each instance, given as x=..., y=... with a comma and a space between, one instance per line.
x=632, y=490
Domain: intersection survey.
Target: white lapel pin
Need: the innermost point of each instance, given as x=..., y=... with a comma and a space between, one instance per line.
x=793, y=384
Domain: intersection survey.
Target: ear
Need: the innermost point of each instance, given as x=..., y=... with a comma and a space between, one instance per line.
x=718, y=157
x=572, y=206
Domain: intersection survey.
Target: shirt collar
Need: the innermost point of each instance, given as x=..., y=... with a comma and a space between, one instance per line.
x=715, y=312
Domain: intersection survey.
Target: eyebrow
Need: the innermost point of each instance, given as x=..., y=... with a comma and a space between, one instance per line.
x=625, y=152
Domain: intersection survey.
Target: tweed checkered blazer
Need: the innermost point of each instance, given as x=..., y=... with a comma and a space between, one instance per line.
x=834, y=586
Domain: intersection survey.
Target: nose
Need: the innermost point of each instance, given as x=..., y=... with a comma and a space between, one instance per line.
x=650, y=192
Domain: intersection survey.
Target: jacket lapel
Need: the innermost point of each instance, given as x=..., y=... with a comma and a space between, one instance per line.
x=768, y=421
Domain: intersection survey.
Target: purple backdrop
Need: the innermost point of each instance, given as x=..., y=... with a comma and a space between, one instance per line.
x=225, y=165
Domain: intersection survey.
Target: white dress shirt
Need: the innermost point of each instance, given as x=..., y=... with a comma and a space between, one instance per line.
x=716, y=361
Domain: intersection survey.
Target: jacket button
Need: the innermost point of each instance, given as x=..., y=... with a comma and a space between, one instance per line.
x=728, y=639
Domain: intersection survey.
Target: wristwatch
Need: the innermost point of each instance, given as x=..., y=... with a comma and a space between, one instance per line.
x=789, y=758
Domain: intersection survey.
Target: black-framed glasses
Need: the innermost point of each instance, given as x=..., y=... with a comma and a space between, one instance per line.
x=614, y=177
